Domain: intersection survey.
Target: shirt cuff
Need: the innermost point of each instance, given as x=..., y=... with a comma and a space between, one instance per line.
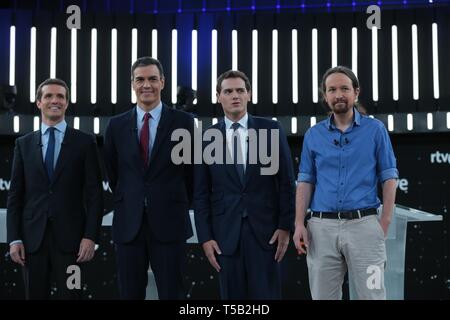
x=15, y=242
x=305, y=177
x=391, y=173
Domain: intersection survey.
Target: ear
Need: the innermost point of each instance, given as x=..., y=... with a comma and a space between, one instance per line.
x=218, y=98
x=357, y=92
x=163, y=81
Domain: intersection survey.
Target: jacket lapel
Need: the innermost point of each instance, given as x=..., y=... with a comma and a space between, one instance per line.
x=250, y=169
x=37, y=154
x=65, y=145
x=230, y=168
x=132, y=139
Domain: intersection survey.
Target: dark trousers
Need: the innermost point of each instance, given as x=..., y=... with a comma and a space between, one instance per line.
x=46, y=262
x=251, y=272
x=167, y=261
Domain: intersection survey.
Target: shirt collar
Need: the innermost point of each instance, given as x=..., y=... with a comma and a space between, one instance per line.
x=60, y=126
x=356, y=119
x=155, y=112
x=243, y=122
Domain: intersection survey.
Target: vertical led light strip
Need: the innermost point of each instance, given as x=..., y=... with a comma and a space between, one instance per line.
x=114, y=66
x=394, y=63
x=194, y=62
x=53, y=35
x=155, y=43
x=334, y=48
x=313, y=121
x=374, y=64
x=390, y=122
x=255, y=66
x=134, y=50
x=94, y=66
x=73, y=65
x=16, y=124
x=96, y=125
x=294, y=66
x=434, y=29
x=36, y=123
x=76, y=123
x=430, y=121
x=415, y=62
x=213, y=65
x=294, y=125
x=315, y=94
x=355, y=51
x=448, y=120
x=274, y=66
x=12, y=55
x=234, y=50
x=174, y=65
x=409, y=121
x=33, y=64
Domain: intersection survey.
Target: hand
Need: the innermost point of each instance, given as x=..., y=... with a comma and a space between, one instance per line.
x=282, y=237
x=300, y=238
x=384, y=222
x=210, y=248
x=87, y=250
x=17, y=253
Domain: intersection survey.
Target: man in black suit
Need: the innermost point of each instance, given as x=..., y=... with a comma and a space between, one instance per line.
x=55, y=203
x=151, y=192
x=244, y=209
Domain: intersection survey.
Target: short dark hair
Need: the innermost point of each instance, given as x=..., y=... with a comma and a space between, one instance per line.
x=232, y=74
x=56, y=81
x=147, y=61
x=339, y=69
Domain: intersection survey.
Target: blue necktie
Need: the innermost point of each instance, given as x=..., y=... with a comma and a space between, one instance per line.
x=236, y=148
x=50, y=154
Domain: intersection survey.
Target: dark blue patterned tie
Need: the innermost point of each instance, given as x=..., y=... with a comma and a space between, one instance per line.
x=50, y=154
x=236, y=148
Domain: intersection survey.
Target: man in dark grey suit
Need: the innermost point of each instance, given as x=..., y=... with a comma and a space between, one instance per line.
x=55, y=203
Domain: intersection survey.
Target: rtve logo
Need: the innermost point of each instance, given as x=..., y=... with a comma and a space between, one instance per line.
x=4, y=185
x=439, y=157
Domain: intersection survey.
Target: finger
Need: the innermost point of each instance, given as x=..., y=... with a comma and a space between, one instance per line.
x=22, y=253
x=82, y=255
x=274, y=238
x=282, y=253
x=217, y=249
x=214, y=263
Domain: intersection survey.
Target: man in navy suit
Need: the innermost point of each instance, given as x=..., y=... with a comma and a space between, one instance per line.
x=244, y=215
x=151, y=193
x=55, y=203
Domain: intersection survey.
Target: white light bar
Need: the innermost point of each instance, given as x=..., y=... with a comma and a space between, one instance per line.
x=174, y=65
x=94, y=66
x=274, y=118
x=334, y=48
x=415, y=62
x=435, y=61
x=390, y=122
x=394, y=63
x=36, y=123
x=214, y=121
x=73, y=65
x=194, y=58
x=16, y=121
x=134, y=50
x=255, y=66
x=374, y=64
x=53, y=36
x=430, y=121
x=274, y=66
x=294, y=125
x=114, y=66
x=213, y=65
x=448, y=120
x=96, y=125
x=155, y=43
x=294, y=66
x=234, y=50
x=33, y=64
x=12, y=55
x=76, y=123
x=355, y=51
x=313, y=121
x=409, y=121
x=315, y=77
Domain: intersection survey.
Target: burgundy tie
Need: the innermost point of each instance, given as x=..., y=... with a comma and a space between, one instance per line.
x=144, y=139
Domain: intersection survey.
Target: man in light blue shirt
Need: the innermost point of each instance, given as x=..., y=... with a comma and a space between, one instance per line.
x=343, y=159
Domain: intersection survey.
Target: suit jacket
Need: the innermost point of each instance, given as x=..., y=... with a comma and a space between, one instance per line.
x=220, y=198
x=165, y=187
x=73, y=199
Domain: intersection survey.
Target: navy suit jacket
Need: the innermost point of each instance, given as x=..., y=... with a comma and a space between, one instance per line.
x=73, y=198
x=220, y=198
x=164, y=186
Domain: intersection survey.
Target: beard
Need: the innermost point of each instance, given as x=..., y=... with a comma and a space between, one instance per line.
x=340, y=107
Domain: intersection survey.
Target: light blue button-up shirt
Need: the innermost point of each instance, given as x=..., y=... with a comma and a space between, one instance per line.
x=345, y=167
x=59, y=137
x=152, y=122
